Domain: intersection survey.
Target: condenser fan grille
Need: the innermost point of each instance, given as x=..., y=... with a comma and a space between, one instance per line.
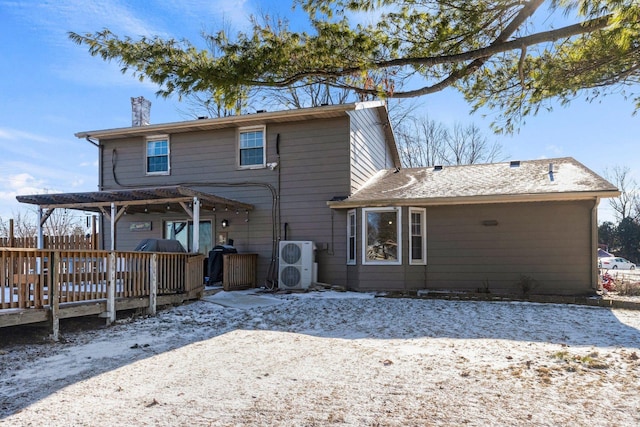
x=296, y=267
x=291, y=253
x=290, y=276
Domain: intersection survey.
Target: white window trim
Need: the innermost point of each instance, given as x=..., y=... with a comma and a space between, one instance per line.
x=264, y=146
x=363, y=238
x=351, y=216
x=153, y=138
x=423, y=228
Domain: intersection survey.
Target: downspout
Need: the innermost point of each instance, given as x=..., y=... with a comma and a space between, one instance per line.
x=594, y=244
x=100, y=182
x=279, y=221
x=97, y=144
x=272, y=274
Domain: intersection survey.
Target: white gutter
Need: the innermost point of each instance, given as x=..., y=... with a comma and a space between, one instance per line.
x=219, y=122
x=473, y=200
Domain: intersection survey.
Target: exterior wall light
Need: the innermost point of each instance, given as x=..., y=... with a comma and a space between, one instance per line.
x=225, y=223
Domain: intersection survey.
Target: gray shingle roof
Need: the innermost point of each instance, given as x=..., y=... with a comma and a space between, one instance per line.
x=534, y=180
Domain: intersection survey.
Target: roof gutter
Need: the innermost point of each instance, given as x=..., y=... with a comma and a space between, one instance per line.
x=473, y=200
x=218, y=122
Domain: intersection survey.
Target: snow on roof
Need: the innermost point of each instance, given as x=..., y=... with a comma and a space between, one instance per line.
x=536, y=179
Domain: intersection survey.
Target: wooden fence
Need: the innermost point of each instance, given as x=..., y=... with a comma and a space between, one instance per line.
x=52, y=242
x=38, y=285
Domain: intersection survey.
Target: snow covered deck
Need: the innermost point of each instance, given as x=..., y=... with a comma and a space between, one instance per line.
x=46, y=285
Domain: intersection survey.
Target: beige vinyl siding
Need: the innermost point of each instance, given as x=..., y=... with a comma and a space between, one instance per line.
x=548, y=242
x=314, y=161
x=369, y=151
x=382, y=277
x=313, y=167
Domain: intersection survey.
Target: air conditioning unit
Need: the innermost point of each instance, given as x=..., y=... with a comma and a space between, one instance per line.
x=296, y=264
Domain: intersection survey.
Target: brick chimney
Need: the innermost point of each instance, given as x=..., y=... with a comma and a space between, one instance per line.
x=140, y=111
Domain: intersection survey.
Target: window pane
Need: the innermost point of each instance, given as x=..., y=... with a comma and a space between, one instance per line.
x=251, y=157
x=351, y=235
x=157, y=164
x=251, y=139
x=417, y=238
x=416, y=224
x=157, y=148
x=182, y=231
x=382, y=238
x=158, y=156
x=177, y=230
x=416, y=247
x=206, y=237
x=251, y=148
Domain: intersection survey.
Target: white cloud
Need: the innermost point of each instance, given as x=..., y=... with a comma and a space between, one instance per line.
x=62, y=16
x=555, y=150
x=18, y=135
x=24, y=183
x=184, y=19
x=77, y=183
x=97, y=73
x=205, y=13
x=89, y=164
x=21, y=183
x=34, y=148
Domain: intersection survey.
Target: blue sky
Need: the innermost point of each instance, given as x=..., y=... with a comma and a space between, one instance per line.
x=51, y=88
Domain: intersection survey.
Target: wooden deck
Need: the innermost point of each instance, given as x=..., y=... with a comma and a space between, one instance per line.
x=48, y=285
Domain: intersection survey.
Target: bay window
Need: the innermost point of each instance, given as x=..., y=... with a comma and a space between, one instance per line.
x=381, y=231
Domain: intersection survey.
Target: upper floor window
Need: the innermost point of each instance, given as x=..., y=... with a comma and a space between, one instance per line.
x=251, y=147
x=381, y=235
x=157, y=155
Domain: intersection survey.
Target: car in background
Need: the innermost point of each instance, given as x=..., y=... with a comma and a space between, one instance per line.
x=615, y=262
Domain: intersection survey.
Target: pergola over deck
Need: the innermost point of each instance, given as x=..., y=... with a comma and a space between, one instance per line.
x=115, y=203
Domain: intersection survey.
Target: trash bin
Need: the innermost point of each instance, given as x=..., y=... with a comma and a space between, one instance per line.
x=216, y=262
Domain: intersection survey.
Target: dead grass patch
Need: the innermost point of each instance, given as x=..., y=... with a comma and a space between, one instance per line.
x=625, y=288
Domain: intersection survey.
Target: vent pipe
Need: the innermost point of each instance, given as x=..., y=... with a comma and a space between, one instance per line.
x=140, y=111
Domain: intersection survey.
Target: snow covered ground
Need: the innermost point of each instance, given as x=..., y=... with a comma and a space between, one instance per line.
x=329, y=358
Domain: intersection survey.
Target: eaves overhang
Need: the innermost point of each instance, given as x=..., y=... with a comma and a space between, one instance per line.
x=260, y=118
x=473, y=200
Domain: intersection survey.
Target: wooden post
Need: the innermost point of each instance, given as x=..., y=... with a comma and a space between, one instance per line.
x=114, y=213
x=111, y=289
x=153, y=285
x=195, y=241
x=40, y=228
x=11, y=235
x=54, y=294
x=94, y=234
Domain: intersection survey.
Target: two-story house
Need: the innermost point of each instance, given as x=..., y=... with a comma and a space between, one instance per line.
x=329, y=180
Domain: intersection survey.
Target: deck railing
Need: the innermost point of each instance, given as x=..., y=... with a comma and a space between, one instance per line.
x=28, y=276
